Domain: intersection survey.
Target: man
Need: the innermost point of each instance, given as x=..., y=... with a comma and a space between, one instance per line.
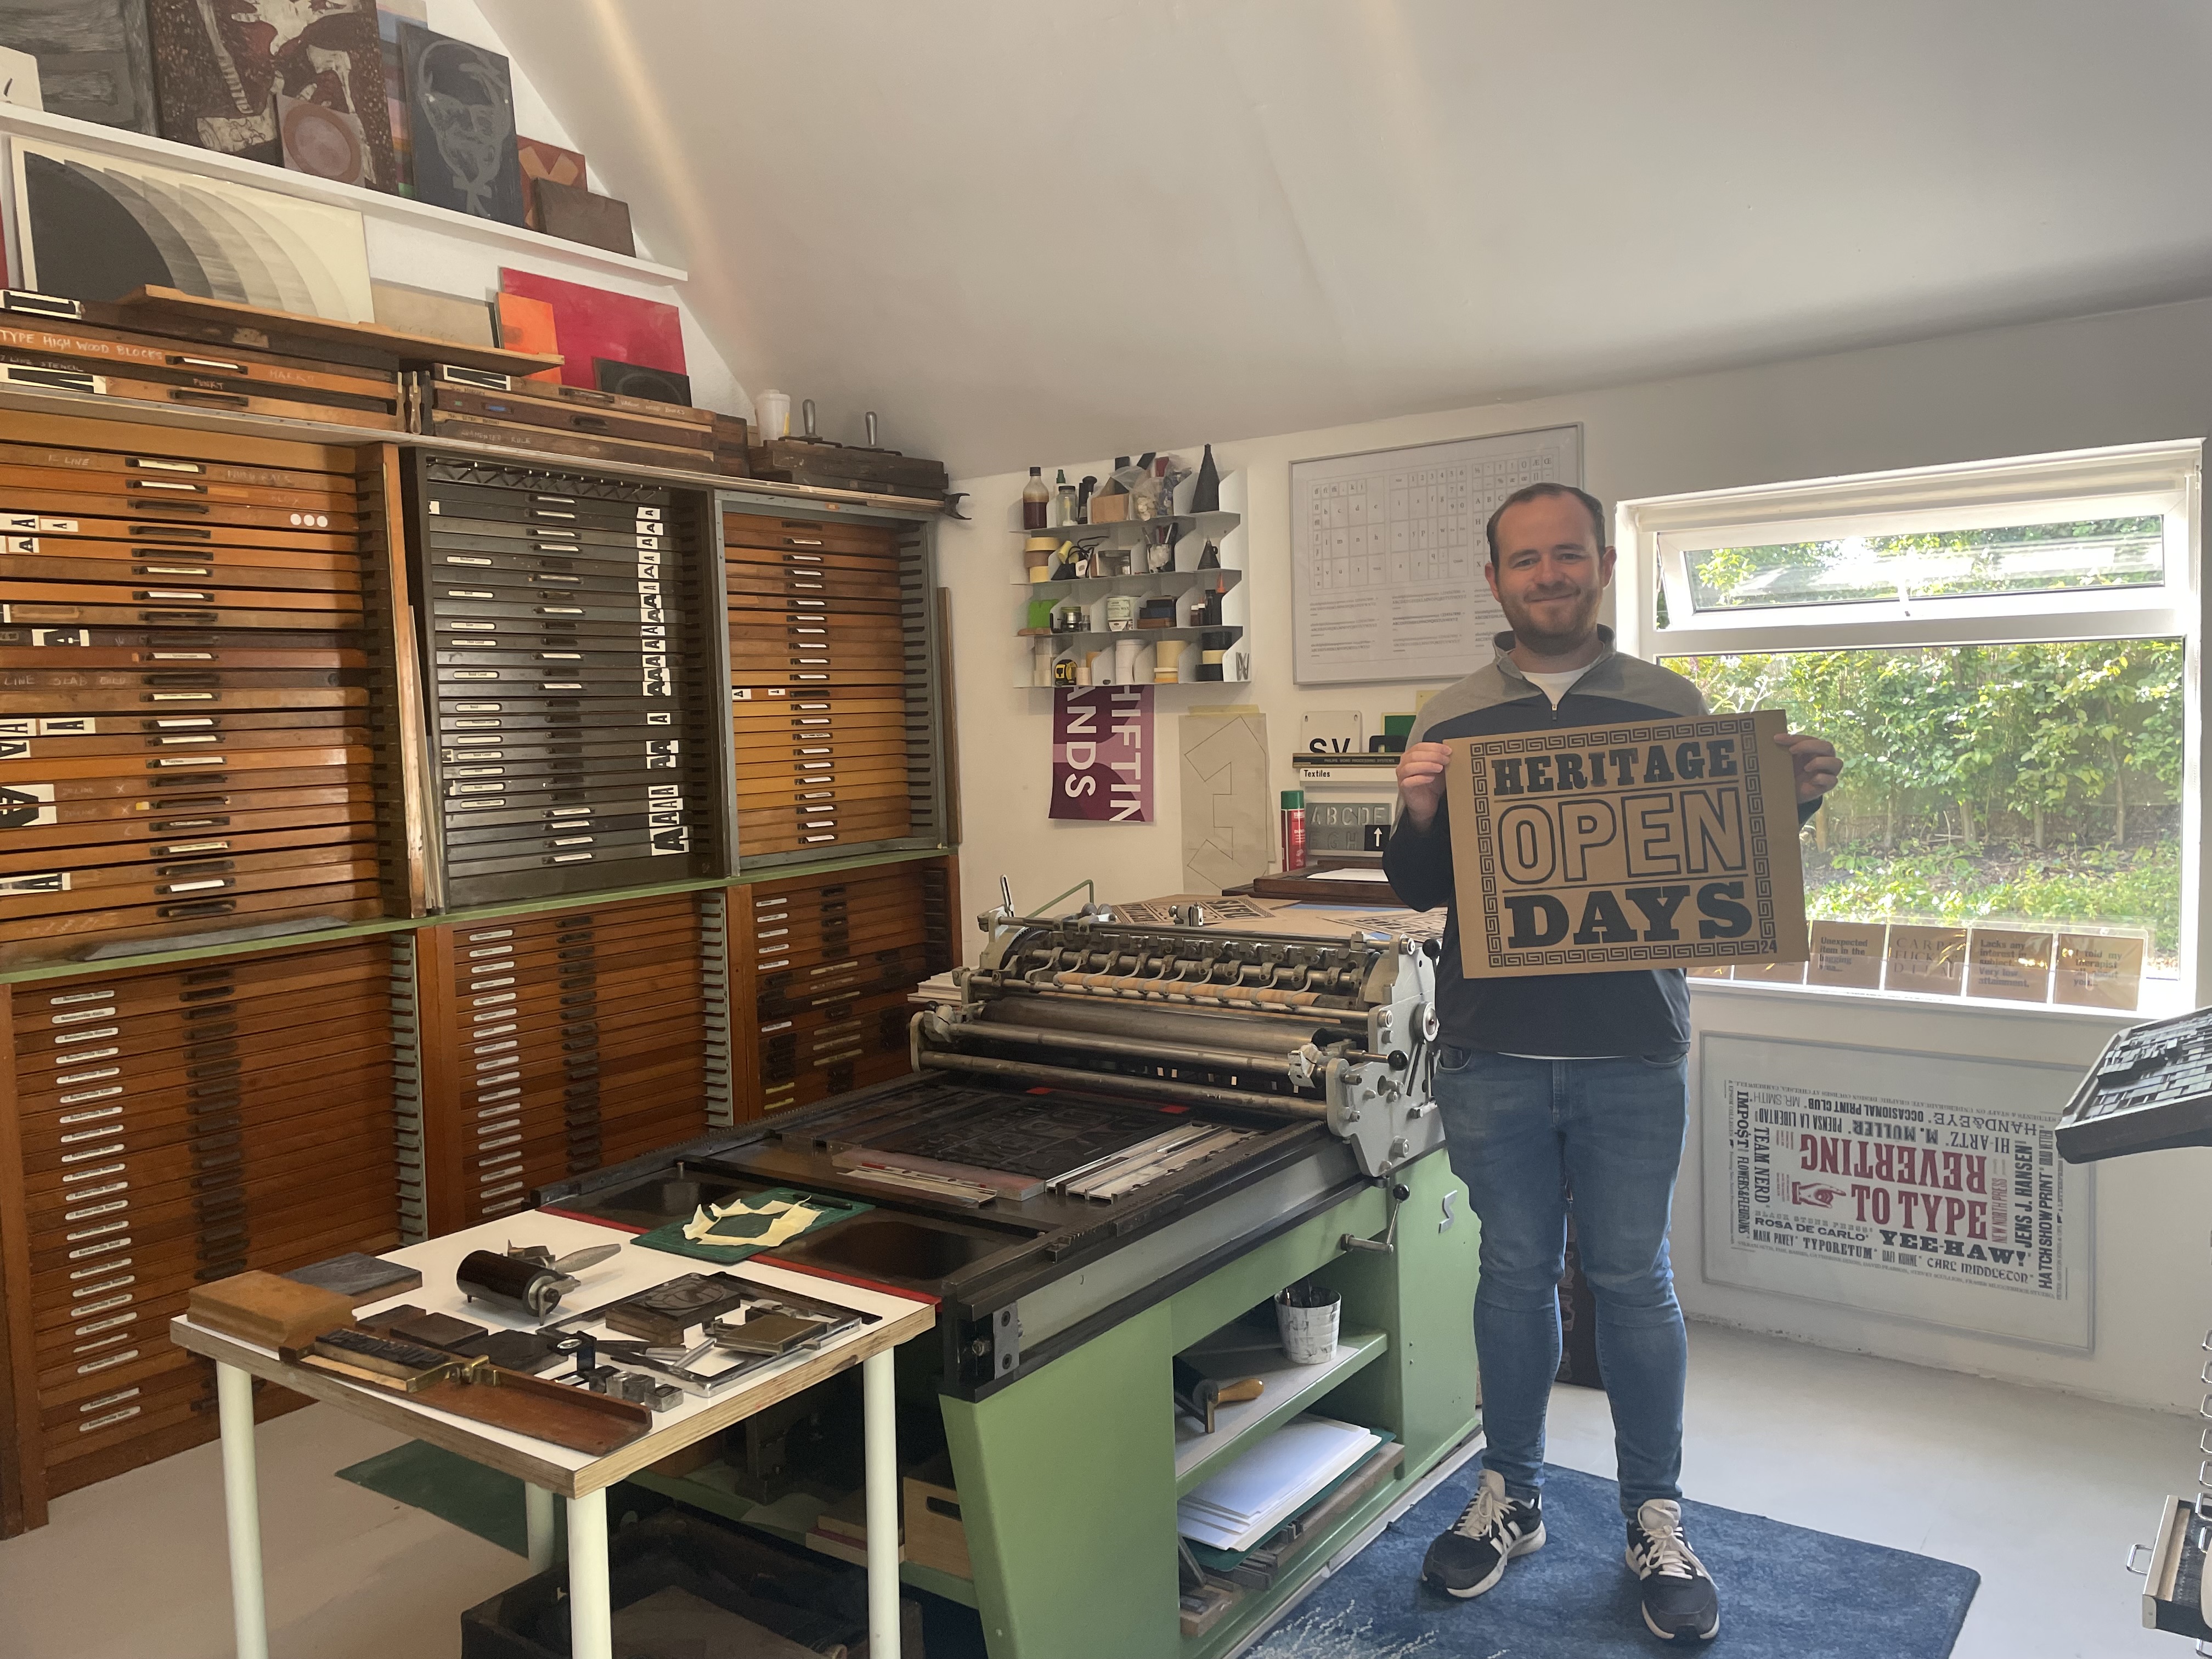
x=1565, y=1087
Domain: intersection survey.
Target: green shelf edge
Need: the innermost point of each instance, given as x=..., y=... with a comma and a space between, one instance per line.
x=186, y=952
x=731, y=1507
x=1366, y=1347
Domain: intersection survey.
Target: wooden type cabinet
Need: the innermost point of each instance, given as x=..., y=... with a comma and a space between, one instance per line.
x=822, y=967
x=193, y=629
x=553, y=1043
x=820, y=618
x=170, y=1126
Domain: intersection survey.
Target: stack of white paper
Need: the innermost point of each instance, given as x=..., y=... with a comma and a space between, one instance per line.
x=1262, y=1488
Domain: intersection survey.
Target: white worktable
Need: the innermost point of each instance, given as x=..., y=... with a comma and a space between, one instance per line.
x=546, y=1469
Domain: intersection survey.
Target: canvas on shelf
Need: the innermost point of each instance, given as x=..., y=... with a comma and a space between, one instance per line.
x=460, y=119
x=95, y=60
x=596, y=322
x=224, y=71
x=658, y=386
x=577, y=215
x=99, y=227
x=540, y=160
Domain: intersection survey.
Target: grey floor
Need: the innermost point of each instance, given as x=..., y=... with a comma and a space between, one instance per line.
x=2040, y=1493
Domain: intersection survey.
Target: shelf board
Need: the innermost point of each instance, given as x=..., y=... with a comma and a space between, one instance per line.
x=369, y=204
x=1131, y=532
x=1143, y=582
x=1234, y=629
x=701, y=1491
x=1290, y=1389
x=732, y=489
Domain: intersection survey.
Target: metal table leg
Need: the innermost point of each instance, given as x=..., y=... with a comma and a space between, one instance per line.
x=241, y=1504
x=591, y=1606
x=537, y=1525
x=880, y=1415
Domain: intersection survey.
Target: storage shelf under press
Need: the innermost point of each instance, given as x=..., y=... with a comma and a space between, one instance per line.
x=1240, y=1351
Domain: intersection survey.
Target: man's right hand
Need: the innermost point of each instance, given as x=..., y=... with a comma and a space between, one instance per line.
x=1421, y=781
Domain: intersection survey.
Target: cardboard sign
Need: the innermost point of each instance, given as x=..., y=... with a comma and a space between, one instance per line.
x=1931, y=961
x=2002, y=962
x=1609, y=848
x=1847, y=955
x=2100, y=971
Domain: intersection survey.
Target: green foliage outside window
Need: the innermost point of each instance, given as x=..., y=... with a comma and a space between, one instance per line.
x=2037, y=781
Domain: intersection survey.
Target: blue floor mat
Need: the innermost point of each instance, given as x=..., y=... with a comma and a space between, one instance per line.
x=1786, y=1592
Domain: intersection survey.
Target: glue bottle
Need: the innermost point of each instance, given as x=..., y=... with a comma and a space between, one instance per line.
x=1294, y=830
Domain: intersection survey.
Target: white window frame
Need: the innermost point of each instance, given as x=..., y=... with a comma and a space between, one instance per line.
x=1655, y=535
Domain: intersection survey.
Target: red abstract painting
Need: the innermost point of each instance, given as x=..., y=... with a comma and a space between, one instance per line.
x=593, y=322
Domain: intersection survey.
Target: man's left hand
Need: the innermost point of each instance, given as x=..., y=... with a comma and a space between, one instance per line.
x=1815, y=761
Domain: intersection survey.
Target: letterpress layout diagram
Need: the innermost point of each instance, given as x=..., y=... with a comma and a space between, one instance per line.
x=1387, y=552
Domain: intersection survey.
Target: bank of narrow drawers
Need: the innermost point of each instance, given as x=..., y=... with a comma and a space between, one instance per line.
x=833, y=961
x=817, y=667
x=571, y=678
x=179, y=1125
x=574, y=1038
x=184, y=692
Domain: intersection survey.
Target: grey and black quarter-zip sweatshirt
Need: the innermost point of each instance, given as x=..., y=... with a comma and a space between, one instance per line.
x=1644, y=1011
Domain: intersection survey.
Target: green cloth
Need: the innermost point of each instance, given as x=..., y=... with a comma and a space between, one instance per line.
x=671, y=1237
x=470, y=1496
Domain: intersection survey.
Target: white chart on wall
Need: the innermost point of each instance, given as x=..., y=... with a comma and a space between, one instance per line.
x=1386, y=553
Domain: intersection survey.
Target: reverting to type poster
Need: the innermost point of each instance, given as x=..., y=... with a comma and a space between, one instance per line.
x=1102, y=754
x=1896, y=1183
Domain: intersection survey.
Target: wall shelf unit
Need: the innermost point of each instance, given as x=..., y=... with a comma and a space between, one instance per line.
x=1183, y=581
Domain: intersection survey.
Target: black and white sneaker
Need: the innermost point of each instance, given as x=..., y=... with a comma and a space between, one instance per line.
x=1470, y=1557
x=1680, y=1602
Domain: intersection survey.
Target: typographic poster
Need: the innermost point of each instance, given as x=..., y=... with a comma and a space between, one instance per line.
x=1102, y=754
x=1905, y=1184
x=1608, y=848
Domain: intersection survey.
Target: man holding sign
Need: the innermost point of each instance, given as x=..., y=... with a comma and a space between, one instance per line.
x=1613, y=823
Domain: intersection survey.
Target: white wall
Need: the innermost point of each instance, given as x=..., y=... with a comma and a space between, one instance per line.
x=2119, y=377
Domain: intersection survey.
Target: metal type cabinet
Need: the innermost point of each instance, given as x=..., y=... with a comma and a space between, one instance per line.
x=546, y=1044
x=167, y=1127
x=821, y=968
x=571, y=663
x=195, y=641
x=839, y=719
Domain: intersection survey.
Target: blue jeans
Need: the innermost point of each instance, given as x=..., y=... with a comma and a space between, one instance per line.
x=1524, y=1133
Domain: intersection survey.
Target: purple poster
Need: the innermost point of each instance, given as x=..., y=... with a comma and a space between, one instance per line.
x=1102, y=754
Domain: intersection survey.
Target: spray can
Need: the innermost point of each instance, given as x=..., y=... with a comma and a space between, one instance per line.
x=1294, y=830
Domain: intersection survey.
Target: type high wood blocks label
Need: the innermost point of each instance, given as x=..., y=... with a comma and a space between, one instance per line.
x=170, y=1126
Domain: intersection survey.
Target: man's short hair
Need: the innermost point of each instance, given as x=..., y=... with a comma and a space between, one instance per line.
x=1533, y=492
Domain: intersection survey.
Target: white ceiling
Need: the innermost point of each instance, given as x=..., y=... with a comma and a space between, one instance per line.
x=1030, y=231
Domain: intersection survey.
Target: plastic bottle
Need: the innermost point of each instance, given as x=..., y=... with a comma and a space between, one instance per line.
x=1035, y=498
x=1063, y=499
x=1294, y=831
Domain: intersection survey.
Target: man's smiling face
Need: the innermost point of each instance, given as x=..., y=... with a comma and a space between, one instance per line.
x=1550, y=573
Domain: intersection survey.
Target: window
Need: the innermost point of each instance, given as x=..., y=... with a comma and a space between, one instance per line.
x=2003, y=652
